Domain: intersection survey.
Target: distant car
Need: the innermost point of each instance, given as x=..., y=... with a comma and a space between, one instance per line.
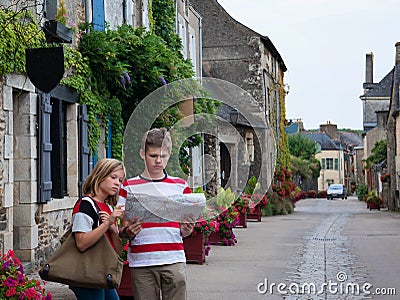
x=336, y=191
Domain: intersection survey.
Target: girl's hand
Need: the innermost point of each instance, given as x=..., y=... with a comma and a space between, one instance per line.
x=117, y=213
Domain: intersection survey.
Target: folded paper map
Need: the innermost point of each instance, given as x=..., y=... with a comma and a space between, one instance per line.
x=179, y=207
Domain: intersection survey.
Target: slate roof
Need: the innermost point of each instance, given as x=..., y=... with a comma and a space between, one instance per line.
x=321, y=138
x=381, y=89
x=351, y=139
x=292, y=128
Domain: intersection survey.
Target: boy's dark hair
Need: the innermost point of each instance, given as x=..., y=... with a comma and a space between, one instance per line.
x=157, y=137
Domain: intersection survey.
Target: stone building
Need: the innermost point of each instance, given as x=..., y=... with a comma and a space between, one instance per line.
x=235, y=53
x=393, y=135
x=337, y=155
x=44, y=159
x=376, y=96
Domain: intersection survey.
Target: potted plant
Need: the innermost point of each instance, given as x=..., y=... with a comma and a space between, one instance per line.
x=13, y=282
x=385, y=177
x=196, y=245
x=374, y=201
x=257, y=202
x=125, y=287
x=227, y=220
x=59, y=30
x=242, y=206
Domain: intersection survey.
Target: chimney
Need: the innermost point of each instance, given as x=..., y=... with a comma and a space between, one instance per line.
x=397, y=53
x=330, y=129
x=369, y=68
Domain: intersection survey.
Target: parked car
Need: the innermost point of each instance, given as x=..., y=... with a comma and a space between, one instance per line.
x=336, y=191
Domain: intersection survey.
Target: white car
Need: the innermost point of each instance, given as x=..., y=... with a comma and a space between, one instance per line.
x=336, y=191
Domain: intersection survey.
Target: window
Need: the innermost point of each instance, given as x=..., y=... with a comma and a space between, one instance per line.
x=323, y=163
x=329, y=163
x=336, y=164
x=58, y=139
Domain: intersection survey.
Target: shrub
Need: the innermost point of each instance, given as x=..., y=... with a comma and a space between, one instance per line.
x=361, y=191
x=321, y=194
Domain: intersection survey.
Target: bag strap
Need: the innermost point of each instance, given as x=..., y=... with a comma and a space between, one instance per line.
x=94, y=205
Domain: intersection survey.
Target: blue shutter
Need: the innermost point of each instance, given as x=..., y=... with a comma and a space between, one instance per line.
x=98, y=15
x=84, y=153
x=45, y=147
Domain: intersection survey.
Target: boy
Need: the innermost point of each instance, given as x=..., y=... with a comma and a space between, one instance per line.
x=156, y=254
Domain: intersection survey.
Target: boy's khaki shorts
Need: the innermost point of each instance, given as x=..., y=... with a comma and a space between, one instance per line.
x=149, y=283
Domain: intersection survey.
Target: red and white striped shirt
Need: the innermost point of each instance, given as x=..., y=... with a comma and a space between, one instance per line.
x=157, y=243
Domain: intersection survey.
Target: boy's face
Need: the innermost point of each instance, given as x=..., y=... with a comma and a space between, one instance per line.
x=155, y=159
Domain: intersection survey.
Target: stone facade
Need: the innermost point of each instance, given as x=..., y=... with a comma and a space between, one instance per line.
x=393, y=136
x=376, y=96
x=236, y=54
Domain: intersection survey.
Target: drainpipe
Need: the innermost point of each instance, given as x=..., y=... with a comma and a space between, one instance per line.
x=125, y=11
x=176, y=17
x=278, y=110
x=201, y=49
x=88, y=9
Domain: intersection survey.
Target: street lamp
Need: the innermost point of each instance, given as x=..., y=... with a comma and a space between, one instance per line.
x=234, y=115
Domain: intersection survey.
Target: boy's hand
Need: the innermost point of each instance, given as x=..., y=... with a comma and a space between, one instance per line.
x=134, y=227
x=187, y=225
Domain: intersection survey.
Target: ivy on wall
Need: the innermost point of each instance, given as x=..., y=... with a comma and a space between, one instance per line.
x=284, y=159
x=112, y=70
x=18, y=31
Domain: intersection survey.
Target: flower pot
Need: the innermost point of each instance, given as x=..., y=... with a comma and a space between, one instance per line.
x=57, y=32
x=373, y=205
x=216, y=238
x=194, y=246
x=242, y=220
x=255, y=213
x=125, y=288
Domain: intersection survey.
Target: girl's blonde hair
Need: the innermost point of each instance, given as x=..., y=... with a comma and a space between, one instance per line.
x=100, y=172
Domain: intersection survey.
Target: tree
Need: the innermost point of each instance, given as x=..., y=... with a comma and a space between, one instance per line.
x=301, y=147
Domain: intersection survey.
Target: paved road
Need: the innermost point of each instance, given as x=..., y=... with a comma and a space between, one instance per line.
x=339, y=243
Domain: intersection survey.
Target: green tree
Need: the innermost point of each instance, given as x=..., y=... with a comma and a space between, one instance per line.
x=301, y=147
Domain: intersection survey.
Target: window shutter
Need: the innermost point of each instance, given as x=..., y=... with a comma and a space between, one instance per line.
x=98, y=15
x=336, y=164
x=45, y=147
x=84, y=154
x=323, y=163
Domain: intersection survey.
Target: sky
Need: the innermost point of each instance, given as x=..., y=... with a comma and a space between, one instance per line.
x=323, y=44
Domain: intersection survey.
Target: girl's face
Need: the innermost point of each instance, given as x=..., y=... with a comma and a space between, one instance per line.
x=111, y=184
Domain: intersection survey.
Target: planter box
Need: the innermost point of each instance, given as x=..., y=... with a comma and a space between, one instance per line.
x=373, y=205
x=57, y=32
x=195, y=248
x=255, y=213
x=242, y=220
x=125, y=288
x=216, y=238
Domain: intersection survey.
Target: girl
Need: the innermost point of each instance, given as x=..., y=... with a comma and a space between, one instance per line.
x=94, y=216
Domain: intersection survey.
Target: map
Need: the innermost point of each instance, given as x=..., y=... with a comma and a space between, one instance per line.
x=150, y=208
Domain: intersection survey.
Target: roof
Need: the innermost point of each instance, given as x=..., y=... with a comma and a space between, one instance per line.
x=381, y=89
x=351, y=139
x=265, y=39
x=292, y=128
x=321, y=138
